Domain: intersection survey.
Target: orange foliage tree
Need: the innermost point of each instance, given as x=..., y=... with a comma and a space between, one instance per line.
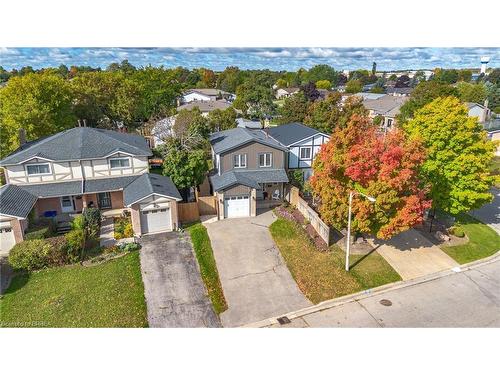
x=385, y=167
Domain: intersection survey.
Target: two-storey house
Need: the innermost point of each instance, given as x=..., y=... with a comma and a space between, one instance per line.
x=84, y=167
x=249, y=171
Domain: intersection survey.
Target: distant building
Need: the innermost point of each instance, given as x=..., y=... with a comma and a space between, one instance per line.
x=286, y=92
x=482, y=112
x=400, y=91
x=249, y=124
x=386, y=106
x=205, y=106
x=204, y=95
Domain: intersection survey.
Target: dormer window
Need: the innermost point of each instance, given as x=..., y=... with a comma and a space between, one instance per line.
x=117, y=163
x=38, y=169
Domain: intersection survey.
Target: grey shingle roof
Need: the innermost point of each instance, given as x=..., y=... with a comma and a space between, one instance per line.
x=247, y=178
x=15, y=201
x=229, y=139
x=108, y=184
x=386, y=105
x=290, y=133
x=148, y=184
x=80, y=143
x=206, y=106
x=56, y=189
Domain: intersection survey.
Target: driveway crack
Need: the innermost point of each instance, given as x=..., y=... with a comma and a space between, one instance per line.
x=254, y=273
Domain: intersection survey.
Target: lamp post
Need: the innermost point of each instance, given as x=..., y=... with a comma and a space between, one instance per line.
x=348, y=238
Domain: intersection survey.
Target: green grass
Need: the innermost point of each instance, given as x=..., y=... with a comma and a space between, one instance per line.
x=208, y=267
x=321, y=275
x=483, y=241
x=110, y=294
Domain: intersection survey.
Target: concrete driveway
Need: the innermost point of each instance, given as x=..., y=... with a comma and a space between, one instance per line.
x=255, y=279
x=412, y=255
x=174, y=291
x=490, y=213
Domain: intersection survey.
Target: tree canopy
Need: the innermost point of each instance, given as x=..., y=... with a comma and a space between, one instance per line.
x=471, y=92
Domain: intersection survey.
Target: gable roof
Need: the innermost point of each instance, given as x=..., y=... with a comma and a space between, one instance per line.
x=208, y=92
x=290, y=90
x=386, y=105
x=229, y=139
x=205, y=106
x=148, y=184
x=80, y=143
x=15, y=201
x=288, y=134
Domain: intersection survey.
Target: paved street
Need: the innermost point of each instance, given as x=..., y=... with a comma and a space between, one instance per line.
x=174, y=291
x=466, y=299
x=256, y=282
x=490, y=213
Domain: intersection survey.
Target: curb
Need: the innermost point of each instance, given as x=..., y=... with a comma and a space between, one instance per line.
x=373, y=292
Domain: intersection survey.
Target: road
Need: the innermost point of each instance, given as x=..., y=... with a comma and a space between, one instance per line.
x=470, y=298
x=490, y=213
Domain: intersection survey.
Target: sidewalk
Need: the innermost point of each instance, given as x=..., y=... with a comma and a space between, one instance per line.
x=468, y=296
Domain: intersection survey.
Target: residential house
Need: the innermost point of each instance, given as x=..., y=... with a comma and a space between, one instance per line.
x=482, y=112
x=205, y=95
x=286, y=92
x=387, y=107
x=399, y=91
x=61, y=175
x=249, y=171
x=249, y=124
x=302, y=142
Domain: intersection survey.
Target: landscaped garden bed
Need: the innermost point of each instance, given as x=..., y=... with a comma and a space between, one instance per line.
x=123, y=227
x=320, y=275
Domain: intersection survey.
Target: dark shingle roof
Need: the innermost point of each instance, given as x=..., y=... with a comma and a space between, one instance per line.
x=290, y=133
x=56, y=189
x=247, y=178
x=80, y=143
x=108, y=184
x=148, y=184
x=15, y=201
x=228, y=139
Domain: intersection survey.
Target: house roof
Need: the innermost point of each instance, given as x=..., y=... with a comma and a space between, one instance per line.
x=248, y=178
x=80, y=143
x=205, y=106
x=288, y=134
x=15, y=201
x=386, y=105
x=368, y=95
x=400, y=90
x=148, y=184
x=229, y=139
x=472, y=105
x=290, y=90
x=209, y=92
x=249, y=124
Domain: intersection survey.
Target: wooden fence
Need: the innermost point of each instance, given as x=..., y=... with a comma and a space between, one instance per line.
x=188, y=212
x=207, y=205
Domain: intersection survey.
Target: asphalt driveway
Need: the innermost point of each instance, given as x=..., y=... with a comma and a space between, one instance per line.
x=174, y=291
x=256, y=282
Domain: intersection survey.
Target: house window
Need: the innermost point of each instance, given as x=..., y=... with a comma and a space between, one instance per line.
x=305, y=152
x=34, y=169
x=265, y=160
x=119, y=163
x=240, y=160
x=389, y=122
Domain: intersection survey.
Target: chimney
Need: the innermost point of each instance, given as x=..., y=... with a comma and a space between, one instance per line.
x=22, y=136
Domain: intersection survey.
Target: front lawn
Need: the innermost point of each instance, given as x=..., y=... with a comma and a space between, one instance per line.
x=483, y=241
x=110, y=294
x=208, y=267
x=321, y=275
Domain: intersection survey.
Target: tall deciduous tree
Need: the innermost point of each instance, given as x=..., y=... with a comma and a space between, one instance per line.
x=353, y=86
x=357, y=158
x=219, y=119
x=459, y=155
x=39, y=103
x=470, y=92
x=294, y=109
x=322, y=72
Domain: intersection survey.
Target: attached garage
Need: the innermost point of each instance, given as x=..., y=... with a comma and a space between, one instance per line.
x=156, y=219
x=7, y=238
x=237, y=206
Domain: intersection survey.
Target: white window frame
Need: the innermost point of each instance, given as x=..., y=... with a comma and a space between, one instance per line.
x=37, y=165
x=240, y=158
x=270, y=159
x=120, y=158
x=305, y=148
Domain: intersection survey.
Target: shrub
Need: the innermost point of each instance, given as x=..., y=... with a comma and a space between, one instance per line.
x=30, y=255
x=38, y=234
x=123, y=228
x=41, y=228
x=130, y=246
x=75, y=241
x=58, y=254
x=93, y=218
x=457, y=231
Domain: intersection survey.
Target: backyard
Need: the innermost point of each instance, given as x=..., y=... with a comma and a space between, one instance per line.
x=320, y=275
x=109, y=294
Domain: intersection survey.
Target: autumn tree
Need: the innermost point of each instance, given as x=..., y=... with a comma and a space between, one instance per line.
x=459, y=155
x=294, y=109
x=387, y=168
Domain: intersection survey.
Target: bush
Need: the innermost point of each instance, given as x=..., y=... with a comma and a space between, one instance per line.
x=123, y=228
x=130, y=246
x=39, y=229
x=457, y=231
x=93, y=218
x=58, y=255
x=30, y=255
x=38, y=234
x=75, y=241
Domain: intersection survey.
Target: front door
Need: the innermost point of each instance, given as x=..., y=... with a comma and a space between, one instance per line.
x=104, y=200
x=67, y=204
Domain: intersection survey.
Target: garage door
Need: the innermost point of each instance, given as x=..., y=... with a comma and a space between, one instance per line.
x=237, y=206
x=7, y=240
x=155, y=220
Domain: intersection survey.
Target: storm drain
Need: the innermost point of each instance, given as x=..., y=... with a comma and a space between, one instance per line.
x=284, y=320
x=385, y=302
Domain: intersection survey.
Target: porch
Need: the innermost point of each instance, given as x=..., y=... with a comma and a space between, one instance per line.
x=269, y=195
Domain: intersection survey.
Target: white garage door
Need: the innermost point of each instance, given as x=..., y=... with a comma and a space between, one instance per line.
x=7, y=240
x=237, y=206
x=155, y=220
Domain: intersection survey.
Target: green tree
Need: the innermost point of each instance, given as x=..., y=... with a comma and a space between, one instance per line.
x=281, y=83
x=254, y=99
x=321, y=72
x=229, y=79
x=471, y=92
x=220, y=119
x=464, y=75
x=458, y=155
x=374, y=68
x=445, y=75
x=39, y=103
x=353, y=86
x=323, y=84
x=294, y=109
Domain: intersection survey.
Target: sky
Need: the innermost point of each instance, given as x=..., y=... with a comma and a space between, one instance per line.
x=253, y=58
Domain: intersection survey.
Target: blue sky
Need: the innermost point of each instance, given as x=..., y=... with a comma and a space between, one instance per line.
x=253, y=58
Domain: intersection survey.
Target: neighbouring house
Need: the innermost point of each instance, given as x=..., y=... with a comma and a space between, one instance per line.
x=249, y=171
x=205, y=107
x=249, y=124
x=482, y=112
x=204, y=95
x=62, y=174
x=302, y=142
x=364, y=95
x=286, y=92
x=399, y=91
x=494, y=136
x=386, y=106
